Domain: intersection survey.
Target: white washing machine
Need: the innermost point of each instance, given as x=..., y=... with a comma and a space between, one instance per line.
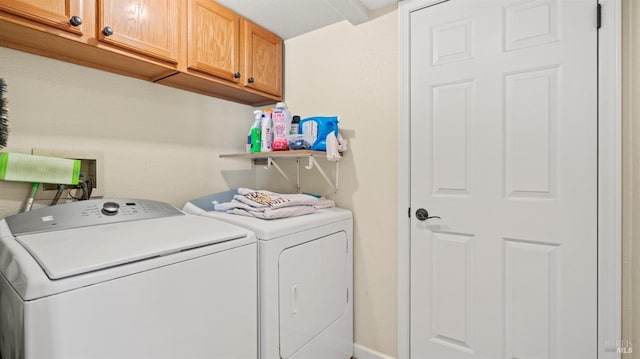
x=305, y=280
x=125, y=278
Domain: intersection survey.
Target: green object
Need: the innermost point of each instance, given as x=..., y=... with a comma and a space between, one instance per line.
x=256, y=136
x=21, y=167
x=4, y=116
x=32, y=196
x=34, y=189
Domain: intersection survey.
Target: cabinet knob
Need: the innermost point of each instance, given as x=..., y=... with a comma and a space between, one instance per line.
x=236, y=75
x=250, y=80
x=75, y=21
x=107, y=31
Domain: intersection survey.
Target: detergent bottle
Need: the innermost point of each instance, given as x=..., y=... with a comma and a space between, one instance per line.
x=316, y=129
x=281, y=118
x=295, y=124
x=255, y=133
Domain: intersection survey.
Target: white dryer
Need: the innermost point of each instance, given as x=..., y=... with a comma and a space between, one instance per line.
x=305, y=281
x=125, y=278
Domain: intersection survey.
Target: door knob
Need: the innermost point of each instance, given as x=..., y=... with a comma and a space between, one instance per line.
x=236, y=75
x=250, y=80
x=422, y=215
x=107, y=31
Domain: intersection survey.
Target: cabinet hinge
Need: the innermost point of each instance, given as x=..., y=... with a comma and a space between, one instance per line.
x=599, y=16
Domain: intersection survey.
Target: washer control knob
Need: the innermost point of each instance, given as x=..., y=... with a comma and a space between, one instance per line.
x=110, y=208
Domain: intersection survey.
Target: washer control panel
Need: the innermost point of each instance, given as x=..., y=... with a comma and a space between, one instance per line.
x=88, y=213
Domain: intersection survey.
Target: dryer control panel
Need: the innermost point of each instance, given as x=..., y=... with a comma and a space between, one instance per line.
x=88, y=213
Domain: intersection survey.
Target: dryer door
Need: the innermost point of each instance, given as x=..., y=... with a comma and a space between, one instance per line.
x=313, y=289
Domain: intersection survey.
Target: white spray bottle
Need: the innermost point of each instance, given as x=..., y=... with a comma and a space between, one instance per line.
x=267, y=132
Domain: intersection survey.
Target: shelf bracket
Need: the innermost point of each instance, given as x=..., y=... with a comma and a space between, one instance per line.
x=297, y=175
x=312, y=161
x=271, y=162
x=332, y=184
x=260, y=159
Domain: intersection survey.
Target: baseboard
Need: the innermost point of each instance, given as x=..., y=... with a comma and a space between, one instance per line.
x=362, y=352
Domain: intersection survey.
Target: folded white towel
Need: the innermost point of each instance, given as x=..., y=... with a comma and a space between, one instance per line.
x=223, y=207
x=270, y=205
x=324, y=203
x=275, y=213
x=268, y=199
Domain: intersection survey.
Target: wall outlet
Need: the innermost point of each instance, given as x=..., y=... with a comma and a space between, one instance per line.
x=91, y=167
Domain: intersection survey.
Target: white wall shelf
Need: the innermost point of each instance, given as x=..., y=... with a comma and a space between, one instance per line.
x=269, y=160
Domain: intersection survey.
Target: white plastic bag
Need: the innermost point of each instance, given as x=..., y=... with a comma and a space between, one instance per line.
x=342, y=143
x=332, y=147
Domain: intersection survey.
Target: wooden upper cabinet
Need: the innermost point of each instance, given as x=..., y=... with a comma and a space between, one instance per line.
x=262, y=59
x=194, y=45
x=213, y=34
x=61, y=14
x=147, y=27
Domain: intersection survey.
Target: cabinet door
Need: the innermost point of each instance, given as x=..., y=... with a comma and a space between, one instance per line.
x=214, y=40
x=54, y=13
x=263, y=59
x=147, y=27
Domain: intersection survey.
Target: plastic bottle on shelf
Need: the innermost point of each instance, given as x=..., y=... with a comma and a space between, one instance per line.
x=295, y=125
x=316, y=129
x=255, y=133
x=267, y=132
x=281, y=118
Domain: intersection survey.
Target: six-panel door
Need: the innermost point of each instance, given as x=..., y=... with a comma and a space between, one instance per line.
x=504, y=149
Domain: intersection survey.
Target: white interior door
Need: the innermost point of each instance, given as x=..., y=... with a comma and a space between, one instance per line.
x=504, y=149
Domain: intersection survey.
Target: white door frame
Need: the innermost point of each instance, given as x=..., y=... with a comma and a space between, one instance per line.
x=609, y=179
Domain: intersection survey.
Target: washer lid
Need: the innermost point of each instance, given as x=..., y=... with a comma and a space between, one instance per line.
x=76, y=251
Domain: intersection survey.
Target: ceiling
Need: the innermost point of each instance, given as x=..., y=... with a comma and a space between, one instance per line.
x=290, y=18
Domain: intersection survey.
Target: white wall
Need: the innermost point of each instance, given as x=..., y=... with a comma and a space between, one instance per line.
x=352, y=71
x=158, y=142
